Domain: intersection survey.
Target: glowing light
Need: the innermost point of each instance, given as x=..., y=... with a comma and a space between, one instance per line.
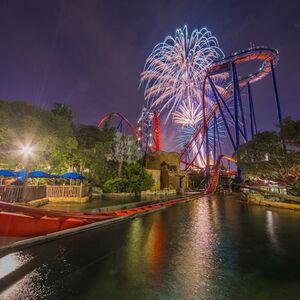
x=11, y=262
x=26, y=150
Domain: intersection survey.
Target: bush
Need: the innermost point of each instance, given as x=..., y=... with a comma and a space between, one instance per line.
x=135, y=180
x=115, y=185
x=138, y=179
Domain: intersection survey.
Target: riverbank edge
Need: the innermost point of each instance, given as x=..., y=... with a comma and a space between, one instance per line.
x=256, y=199
x=44, y=201
x=26, y=243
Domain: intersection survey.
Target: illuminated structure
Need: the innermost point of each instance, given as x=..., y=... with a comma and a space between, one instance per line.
x=190, y=82
x=191, y=85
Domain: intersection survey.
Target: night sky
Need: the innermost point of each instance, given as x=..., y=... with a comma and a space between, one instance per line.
x=89, y=54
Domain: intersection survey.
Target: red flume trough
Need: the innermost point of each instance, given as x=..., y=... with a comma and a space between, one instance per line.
x=23, y=221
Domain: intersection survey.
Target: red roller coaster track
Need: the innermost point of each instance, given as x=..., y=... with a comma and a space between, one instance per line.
x=156, y=131
x=122, y=118
x=216, y=173
x=133, y=128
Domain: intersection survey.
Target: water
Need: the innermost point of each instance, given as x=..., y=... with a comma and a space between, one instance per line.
x=99, y=202
x=211, y=248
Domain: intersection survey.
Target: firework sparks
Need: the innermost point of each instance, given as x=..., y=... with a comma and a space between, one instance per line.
x=175, y=70
x=174, y=75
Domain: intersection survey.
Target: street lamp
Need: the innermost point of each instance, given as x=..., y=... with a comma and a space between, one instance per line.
x=26, y=150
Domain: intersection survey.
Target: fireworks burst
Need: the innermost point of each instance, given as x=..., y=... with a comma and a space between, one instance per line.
x=175, y=70
x=174, y=77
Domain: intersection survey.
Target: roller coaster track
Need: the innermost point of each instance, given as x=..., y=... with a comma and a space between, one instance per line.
x=122, y=118
x=216, y=173
x=267, y=55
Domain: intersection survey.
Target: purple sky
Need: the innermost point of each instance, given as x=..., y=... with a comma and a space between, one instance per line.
x=89, y=54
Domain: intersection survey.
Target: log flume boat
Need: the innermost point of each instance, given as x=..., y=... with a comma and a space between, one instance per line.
x=23, y=221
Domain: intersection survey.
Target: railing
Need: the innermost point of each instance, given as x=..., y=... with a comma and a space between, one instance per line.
x=33, y=192
x=67, y=191
x=12, y=193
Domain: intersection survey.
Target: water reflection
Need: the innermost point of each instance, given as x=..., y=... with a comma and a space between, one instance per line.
x=155, y=246
x=214, y=248
x=11, y=263
x=272, y=231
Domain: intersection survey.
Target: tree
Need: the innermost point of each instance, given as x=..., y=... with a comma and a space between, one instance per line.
x=290, y=132
x=93, y=155
x=88, y=136
x=64, y=111
x=124, y=150
x=264, y=157
x=51, y=136
x=135, y=179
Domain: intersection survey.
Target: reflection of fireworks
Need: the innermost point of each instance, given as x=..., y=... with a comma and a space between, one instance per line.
x=175, y=70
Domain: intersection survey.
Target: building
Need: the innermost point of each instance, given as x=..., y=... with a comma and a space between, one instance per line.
x=165, y=170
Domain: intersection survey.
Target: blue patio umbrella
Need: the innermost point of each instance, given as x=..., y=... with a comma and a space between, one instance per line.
x=7, y=173
x=38, y=174
x=72, y=175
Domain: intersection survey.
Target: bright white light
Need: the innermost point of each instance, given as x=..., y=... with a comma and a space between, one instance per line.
x=26, y=150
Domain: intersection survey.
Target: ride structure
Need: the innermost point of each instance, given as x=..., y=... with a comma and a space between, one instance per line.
x=121, y=121
x=233, y=116
x=149, y=130
x=192, y=85
x=226, y=112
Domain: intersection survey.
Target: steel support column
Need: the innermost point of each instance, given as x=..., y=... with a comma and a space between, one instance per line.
x=222, y=113
x=205, y=127
x=215, y=125
x=277, y=100
x=236, y=114
x=251, y=112
x=229, y=112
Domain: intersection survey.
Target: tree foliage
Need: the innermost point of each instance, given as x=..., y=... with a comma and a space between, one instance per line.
x=64, y=111
x=290, y=132
x=50, y=135
x=124, y=150
x=264, y=157
x=98, y=154
x=135, y=180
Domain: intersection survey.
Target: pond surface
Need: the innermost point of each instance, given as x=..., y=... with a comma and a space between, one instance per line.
x=212, y=248
x=104, y=201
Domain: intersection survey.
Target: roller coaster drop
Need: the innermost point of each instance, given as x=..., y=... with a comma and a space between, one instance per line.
x=234, y=119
